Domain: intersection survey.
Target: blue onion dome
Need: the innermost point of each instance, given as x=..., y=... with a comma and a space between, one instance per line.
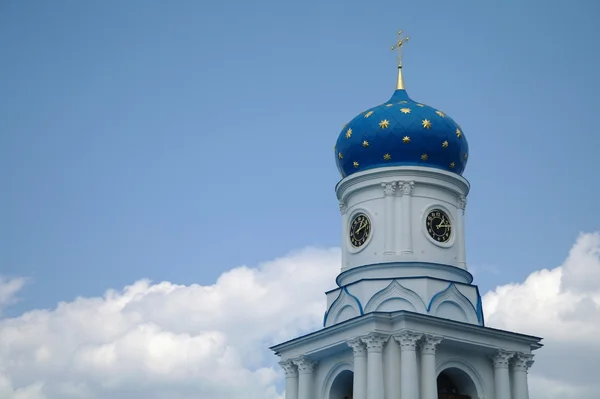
x=401, y=132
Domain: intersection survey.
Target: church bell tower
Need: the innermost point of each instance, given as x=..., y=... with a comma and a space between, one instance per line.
x=405, y=320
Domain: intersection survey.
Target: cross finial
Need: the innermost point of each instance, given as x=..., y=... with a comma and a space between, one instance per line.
x=398, y=46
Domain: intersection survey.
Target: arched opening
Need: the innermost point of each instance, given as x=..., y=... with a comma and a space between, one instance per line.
x=453, y=383
x=342, y=386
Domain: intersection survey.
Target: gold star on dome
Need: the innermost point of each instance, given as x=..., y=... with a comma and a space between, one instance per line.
x=404, y=102
x=440, y=113
x=384, y=124
x=445, y=144
x=340, y=156
x=349, y=133
x=405, y=110
x=387, y=157
x=426, y=123
x=365, y=143
x=424, y=157
x=458, y=133
x=419, y=105
x=465, y=155
x=355, y=164
x=452, y=165
x=406, y=139
x=388, y=105
x=368, y=114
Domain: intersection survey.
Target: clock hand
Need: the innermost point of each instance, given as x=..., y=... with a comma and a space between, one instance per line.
x=443, y=223
x=362, y=226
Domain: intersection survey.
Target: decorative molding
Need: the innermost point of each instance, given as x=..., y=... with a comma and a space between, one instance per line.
x=408, y=340
x=289, y=368
x=406, y=187
x=502, y=358
x=522, y=361
x=389, y=188
x=373, y=177
x=453, y=295
x=375, y=342
x=467, y=368
x=343, y=207
x=349, y=276
x=462, y=202
x=429, y=344
x=360, y=307
x=305, y=365
x=344, y=300
x=390, y=321
x=358, y=347
x=396, y=290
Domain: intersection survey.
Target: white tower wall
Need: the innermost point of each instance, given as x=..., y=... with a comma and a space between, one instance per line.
x=397, y=200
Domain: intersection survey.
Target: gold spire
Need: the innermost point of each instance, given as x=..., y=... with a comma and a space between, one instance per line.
x=398, y=46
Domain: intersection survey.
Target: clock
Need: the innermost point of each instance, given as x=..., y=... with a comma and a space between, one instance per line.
x=360, y=229
x=438, y=225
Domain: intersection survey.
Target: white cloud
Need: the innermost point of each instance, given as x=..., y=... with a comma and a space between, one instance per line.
x=545, y=388
x=8, y=290
x=165, y=340
x=563, y=306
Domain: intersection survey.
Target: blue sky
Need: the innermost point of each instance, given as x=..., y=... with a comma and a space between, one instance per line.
x=177, y=140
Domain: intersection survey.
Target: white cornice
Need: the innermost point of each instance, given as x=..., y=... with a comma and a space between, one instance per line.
x=421, y=175
x=388, y=322
x=397, y=270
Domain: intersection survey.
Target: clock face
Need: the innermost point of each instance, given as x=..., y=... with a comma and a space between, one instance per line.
x=360, y=229
x=438, y=226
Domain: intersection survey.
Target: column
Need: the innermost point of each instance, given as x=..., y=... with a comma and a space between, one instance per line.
x=360, y=368
x=375, y=382
x=291, y=379
x=392, y=366
x=390, y=219
x=428, y=371
x=521, y=363
x=406, y=245
x=305, y=377
x=409, y=383
x=460, y=237
x=501, y=379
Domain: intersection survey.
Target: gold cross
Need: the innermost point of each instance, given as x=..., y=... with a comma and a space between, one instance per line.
x=398, y=46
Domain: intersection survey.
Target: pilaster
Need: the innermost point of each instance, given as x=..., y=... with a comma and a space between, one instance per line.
x=375, y=382
x=501, y=361
x=343, y=212
x=291, y=379
x=305, y=377
x=391, y=372
x=428, y=372
x=460, y=237
x=405, y=225
x=360, y=368
x=390, y=218
x=409, y=386
x=521, y=363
